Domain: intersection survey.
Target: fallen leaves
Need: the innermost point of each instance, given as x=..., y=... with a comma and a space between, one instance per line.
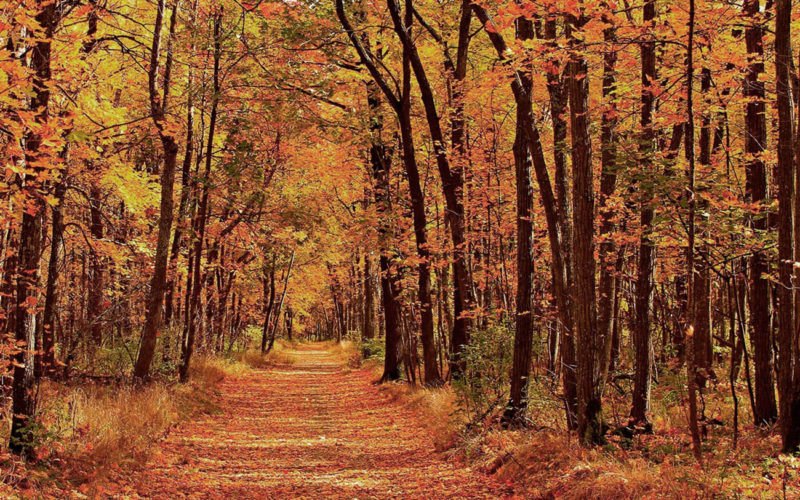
x=308, y=430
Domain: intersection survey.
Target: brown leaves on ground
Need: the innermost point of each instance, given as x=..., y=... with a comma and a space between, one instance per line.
x=307, y=430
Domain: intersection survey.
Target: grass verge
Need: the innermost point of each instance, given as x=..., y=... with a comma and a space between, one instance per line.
x=89, y=430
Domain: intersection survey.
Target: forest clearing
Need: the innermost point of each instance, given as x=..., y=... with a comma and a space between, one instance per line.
x=399, y=249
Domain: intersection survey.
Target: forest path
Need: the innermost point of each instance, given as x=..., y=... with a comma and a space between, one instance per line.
x=307, y=430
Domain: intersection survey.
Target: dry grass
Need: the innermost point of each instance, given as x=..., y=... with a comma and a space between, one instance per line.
x=437, y=408
x=348, y=352
x=545, y=461
x=89, y=430
x=281, y=354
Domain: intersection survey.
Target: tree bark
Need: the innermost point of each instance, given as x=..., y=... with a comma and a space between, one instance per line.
x=590, y=417
x=765, y=411
x=644, y=274
x=523, y=333
x=94, y=307
x=269, y=288
x=608, y=181
x=199, y=224
x=158, y=283
x=702, y=282
x=21, y=437
x=788, y=389
x=432, y=375
x=368, y=327
x=560, y=288
x=452, y=186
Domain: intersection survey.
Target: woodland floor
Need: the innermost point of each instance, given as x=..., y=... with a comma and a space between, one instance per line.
x=312, y=429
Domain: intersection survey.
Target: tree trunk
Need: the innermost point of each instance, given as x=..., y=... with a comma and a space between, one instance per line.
x=452, y=186
x=702, y=281
x=788, y=389
x=269, y=287
x=765, y=411
x=368, y=328
x=94, y=306
x=432, y=375
x=590, y=418
x=644, y=275
x=560, y=288
x=608, y=181
x=277, y=316
x=51, y=294
x=21, y=437
x=523, y=333
x=158, y=283
x=199, y=224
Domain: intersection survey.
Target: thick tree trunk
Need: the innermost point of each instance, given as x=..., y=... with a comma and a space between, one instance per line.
x=392, y=319
x=765, y=411
x=590, y=417
x=788, y=389
x=523, y=333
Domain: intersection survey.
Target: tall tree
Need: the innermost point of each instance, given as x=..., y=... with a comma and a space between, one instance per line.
x=534, y=144
x=21, y=437
x=765, y=410
x=644, y=272
x=523, y=333
x=402, y=106
x=201, y=215
x=590, y=416
x=452, y=187
x=158, y=106
x=788, y=389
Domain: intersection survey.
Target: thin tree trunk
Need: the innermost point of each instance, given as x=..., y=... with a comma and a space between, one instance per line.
x=280, y=303
x=158, y=283
x=608, y=181
x=452, y=186
x=432, y=375
x=561, y=293
x=94, y=307
x=202, y=212
x=691, y=369
x=644, y=276
x=21, y=437
x=368, y=327
x=268, y=304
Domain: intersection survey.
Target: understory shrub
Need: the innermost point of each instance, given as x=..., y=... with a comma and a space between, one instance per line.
x=483, y=387
x=372, y=348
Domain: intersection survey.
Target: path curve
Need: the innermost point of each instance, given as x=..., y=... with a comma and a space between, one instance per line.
x=309, y=430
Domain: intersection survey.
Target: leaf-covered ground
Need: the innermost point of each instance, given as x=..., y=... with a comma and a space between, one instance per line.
x=308, y=430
